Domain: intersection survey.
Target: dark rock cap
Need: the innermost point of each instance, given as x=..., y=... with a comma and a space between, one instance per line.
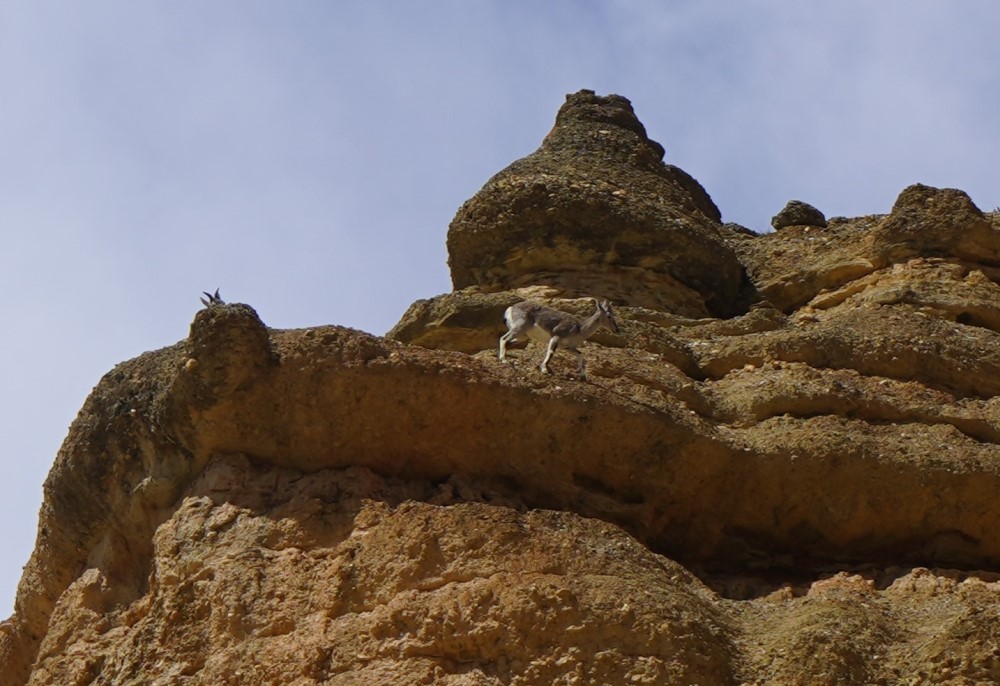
x=597, y=199
x=798, y=213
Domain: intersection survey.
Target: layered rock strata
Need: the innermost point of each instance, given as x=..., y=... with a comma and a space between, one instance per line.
x=783, y=469
x=596, y=207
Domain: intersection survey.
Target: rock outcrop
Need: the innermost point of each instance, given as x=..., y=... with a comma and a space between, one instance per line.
x=596, y=207
x=798, y=213
x=783, y=469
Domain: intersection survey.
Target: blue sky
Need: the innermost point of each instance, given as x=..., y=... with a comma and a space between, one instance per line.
x=306, y=157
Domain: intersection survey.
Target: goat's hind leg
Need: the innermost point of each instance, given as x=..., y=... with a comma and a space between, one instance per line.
x=508, y=337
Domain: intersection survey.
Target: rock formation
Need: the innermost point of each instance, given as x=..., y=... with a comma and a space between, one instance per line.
x=596, y=207
x=783, y=470
x=798, y=213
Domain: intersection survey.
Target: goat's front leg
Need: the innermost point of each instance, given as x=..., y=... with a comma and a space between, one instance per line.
x=581, y=368
x=549, y=351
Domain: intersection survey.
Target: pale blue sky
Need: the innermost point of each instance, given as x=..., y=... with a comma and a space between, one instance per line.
x=306, y=157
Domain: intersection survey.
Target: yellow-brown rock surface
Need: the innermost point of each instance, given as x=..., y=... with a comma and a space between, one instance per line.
x=596, y=207
x=799, y=489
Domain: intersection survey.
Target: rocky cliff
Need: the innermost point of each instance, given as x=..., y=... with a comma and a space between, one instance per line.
x=782, y=470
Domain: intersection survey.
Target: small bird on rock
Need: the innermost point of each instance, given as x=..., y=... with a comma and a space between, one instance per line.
x=213, y=299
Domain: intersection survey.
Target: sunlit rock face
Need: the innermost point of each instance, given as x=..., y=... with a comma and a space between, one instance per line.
x=595, y=210
x=796, y=487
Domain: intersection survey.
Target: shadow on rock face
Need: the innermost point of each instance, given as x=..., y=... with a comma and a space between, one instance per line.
x=593, y=207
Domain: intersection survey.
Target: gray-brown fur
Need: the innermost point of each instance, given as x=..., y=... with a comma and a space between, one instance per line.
x=558, y=330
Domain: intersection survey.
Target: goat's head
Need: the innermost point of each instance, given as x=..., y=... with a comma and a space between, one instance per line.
x=607, y=316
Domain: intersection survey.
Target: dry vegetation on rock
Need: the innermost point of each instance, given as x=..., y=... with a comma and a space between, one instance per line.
x=783, y=470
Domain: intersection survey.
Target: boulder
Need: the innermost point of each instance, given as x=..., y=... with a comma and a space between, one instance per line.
x=798, y=213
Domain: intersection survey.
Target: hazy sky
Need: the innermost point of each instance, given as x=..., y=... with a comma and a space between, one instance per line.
x=306, y=157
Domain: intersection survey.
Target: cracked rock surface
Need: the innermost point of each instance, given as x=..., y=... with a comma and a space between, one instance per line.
x=783, y=470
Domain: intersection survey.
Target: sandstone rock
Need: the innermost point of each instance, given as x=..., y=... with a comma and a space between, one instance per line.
x=643, y=446
x=220, y=335
x=791, y=266
x=801, y=492
x=466, y=321
x=592, y=208
x=266, y=575
x=798, y=213
x=739, y=228
x=933, y=222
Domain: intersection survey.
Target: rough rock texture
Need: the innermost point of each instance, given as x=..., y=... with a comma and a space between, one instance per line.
x=269, y=575
x=595, y=206
x=798, y=213
x=802, y=491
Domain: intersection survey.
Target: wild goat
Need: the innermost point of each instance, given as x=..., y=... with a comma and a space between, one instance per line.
x=559, y=330
x=213, y=299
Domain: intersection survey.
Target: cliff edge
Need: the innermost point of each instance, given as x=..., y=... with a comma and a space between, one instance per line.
x=783, y=469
